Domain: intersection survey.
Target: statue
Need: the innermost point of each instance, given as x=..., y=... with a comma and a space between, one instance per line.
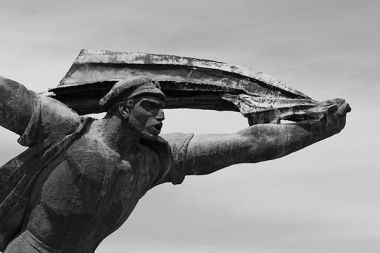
x=81, y=178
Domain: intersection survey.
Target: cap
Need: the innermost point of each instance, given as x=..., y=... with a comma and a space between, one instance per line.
x=132, y=88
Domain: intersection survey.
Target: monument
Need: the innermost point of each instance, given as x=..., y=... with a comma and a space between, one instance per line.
x=80, y=178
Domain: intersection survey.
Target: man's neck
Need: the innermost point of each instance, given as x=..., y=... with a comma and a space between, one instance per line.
x=119, y=135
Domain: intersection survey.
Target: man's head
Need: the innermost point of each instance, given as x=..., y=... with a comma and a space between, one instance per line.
x=140, y=102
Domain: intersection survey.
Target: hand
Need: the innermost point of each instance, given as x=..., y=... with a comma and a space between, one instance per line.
x=335, y=116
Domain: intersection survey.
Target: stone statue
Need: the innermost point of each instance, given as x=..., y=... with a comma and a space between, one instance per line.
x=81, y=178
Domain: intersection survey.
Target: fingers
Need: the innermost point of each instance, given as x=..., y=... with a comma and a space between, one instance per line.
x=337, y=101
x=336, y=105
x=343, y=109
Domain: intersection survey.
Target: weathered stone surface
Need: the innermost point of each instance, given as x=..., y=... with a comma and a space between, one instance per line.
x=187, y=82
x=81, y=178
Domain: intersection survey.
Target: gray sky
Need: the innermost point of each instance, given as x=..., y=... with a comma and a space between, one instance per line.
x=324, y=198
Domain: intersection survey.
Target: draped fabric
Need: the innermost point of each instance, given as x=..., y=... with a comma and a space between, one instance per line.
x=17, y=177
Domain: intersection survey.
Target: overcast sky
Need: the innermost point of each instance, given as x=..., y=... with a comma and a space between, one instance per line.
x=324, y=198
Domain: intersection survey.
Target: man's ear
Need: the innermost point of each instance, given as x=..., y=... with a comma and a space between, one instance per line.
x=124, y=110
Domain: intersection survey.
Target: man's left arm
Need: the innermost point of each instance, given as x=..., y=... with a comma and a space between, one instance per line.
x=211, y=152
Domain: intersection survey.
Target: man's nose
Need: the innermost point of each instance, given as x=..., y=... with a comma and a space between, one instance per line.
x=160, y=115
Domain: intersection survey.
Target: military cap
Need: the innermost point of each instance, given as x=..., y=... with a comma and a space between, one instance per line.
x=131, y=88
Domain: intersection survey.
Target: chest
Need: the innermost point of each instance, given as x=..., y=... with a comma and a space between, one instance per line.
x=109, y=185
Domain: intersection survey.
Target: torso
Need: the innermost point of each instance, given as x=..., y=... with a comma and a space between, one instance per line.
x=91, y=193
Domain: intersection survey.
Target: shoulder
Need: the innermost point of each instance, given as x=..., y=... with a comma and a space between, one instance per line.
x=58, y=116
x=50, y=119
x=178, y=143
x=174, y=143
x=177, y=140
x=159, y=146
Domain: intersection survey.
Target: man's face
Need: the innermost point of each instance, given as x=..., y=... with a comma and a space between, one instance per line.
x=146, y=116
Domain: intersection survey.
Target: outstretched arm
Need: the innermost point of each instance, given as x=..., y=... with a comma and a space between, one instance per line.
x=33, y=116
x=16, y=105
x=209, y=153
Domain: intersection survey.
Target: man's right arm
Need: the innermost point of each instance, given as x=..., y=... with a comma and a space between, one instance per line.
x=16, y=105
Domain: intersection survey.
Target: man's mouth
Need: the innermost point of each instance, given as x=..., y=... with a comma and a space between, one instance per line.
x=157, y=127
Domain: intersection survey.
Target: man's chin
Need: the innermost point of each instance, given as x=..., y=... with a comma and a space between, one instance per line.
x=150, y=136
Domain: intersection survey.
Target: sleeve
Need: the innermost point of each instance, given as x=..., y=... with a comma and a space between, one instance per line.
x=178, y=143
x=50, y=119
x=15, y=105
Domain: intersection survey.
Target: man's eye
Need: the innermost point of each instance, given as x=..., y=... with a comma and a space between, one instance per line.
x=149, y=106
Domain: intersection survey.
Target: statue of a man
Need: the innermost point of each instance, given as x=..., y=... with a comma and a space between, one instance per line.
x=88, y=174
